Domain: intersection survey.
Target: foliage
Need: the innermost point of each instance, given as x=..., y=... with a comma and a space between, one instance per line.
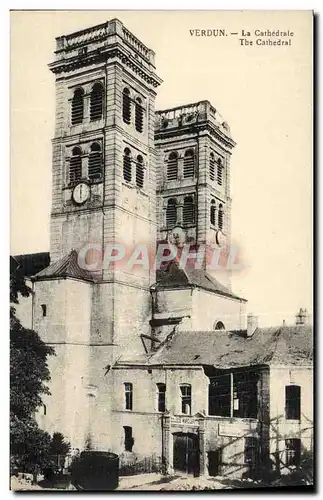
x=58, y=445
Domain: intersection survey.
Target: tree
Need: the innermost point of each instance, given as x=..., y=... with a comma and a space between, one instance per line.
x=58, y=445
x=29, y=374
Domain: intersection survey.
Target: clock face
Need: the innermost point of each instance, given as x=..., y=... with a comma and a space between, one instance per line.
x=81, y=193
x=177, y=236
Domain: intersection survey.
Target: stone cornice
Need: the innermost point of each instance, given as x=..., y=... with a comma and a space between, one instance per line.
x=103, y=55
x=197, y=128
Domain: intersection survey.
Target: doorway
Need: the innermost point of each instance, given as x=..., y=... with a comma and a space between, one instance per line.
x=186, y=453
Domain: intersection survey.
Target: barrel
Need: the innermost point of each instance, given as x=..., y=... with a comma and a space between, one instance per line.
x=95, y=471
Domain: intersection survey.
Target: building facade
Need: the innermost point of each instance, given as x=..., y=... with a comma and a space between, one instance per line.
x=128, y=375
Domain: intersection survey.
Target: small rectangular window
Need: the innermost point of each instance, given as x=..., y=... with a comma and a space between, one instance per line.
x=44, y=309
x=293, y=452
x=186, y=395
x=128, y=439
x=293, y=402
x=161, y=397
x=128, y=396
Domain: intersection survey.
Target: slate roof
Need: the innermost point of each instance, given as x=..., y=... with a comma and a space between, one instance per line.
x=289, y=345
x=31, y=263
x=174, y=277
x=65, y=267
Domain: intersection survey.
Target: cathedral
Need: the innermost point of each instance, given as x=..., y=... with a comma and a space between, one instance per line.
x=159, y=364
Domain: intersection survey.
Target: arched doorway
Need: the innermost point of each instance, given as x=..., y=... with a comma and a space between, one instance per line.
x=186, y=453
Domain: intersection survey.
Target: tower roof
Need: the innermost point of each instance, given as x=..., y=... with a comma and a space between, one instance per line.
x=67, y=267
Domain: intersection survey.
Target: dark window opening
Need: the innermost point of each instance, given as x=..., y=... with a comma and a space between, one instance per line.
x=186, y=399
x=75, y=165
x=96, y=102
x=293, y=402
x=212, y=212
x=251, y=453
x=188, y=167
x=128, y=438
x=172, y=167
x=126, y=106
x=161, y=397
x=128, y=396
x=234, y=394
x=188, y=210
x=44, y=410
x=171, y=213
x=44, y=309
x=127, y=165
x=219, y=326
x=77, y=107
x=140, y=172
x=139, y=115
x=95, y=162
x=219, y=172
x=293, y=452
x=212, y=167
x=220, y=217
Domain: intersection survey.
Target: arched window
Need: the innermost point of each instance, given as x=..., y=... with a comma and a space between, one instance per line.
x=212, y=166
x=126, y=106
x=127, y=165
x=96, y=102
x=171, y=213
x=219, y=171
x=77, y=107
x=161, y=393
x=293, y=402
x=140, y=172
x=139, y=115
x=75, y=165
x=172, y=166
x=220, y=217
x=95, y=162
x=188, y=168
x=212, y=212
x=219, y=326
x=188, y=210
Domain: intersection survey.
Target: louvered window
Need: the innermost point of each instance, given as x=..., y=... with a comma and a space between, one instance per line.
x=77, y=107
x=188, y=210
x=171, y=213
x=95, y=162
x=75, y=165
x=220, y=172
x=127, y=165
x=188, y=169
x=126, y=106
x=212, y=212
x=139, y=115
x=212, y=167
x=96, y=102
x=172, y=167
x=220, y=217
x=140, y=172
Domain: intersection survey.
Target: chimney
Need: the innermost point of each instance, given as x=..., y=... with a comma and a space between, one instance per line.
x=302, y=317
x=252, y=324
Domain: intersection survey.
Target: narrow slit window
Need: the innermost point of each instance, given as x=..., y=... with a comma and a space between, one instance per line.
x=188, y=167
x=171, y=213
x=128, y=438
x=75, y=165
x=95, y=162
x=188, y=210
x=172, y=167
x=139, y=115
x=77, y=107
x=140, y=172
x=96, y=102
x=127, y=165
x=44, y=310
x=126, y=106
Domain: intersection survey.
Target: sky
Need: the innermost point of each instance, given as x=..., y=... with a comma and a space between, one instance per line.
x=264, y=93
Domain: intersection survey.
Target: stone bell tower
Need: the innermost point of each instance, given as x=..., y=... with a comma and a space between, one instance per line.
x=103, y=193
